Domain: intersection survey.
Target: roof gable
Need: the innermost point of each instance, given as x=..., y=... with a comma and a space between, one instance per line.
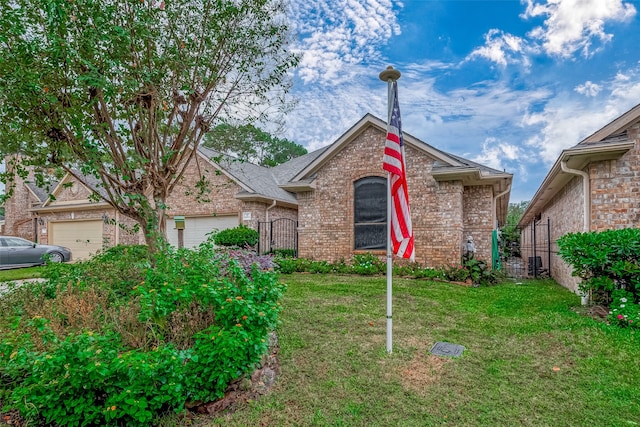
x=352, y=133
x=615, y=127
x=69, y=190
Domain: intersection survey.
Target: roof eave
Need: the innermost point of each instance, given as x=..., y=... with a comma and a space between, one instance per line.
x=73, y=207
x=261, y=198
x=577, y=157
x=299, y=187
x=469, y=176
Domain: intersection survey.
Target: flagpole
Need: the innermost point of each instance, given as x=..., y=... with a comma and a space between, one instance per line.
x=389, y=75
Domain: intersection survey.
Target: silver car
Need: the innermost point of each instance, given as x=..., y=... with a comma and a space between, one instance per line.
x=18, y=252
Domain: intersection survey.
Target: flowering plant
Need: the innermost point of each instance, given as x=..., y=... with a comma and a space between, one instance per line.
x=623, y=310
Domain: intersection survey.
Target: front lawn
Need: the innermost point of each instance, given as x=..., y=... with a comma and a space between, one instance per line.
x=530, y=360
x=20, y=273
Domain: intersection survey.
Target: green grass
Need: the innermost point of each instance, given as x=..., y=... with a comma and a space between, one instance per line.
x=20, y=273
x=335, y=370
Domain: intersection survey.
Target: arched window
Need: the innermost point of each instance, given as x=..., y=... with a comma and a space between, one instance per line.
x=370, y=213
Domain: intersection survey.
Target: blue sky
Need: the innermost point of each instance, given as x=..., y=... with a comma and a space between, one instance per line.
x=505, y=83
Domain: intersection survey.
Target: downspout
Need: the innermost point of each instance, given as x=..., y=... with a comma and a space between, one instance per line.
x=585, y=190
x=273, y=205
x=494, y=262
x=495, y=206
x=586, y=204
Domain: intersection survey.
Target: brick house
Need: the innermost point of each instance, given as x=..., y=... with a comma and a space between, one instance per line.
x=341, y=199
x=592, y=186
x=336, y=194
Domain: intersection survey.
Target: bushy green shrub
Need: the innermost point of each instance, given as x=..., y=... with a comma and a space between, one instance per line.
x=284, y=253
x=367, y=264
x=240, y=236
x=320, y=267
x=117, y=269
x=473, y=270
x=605, y=261
x=185, y=324
x=286, y=265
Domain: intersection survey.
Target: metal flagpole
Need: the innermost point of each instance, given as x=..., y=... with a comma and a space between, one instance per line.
x=389, y=75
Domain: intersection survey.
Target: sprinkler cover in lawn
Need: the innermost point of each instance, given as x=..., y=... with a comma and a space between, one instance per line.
x=447, y=349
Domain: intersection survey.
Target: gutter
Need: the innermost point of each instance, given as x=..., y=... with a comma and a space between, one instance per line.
x=584, y=298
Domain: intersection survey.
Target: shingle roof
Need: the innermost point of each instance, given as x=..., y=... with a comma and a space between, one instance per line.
x=42, y=193
x=261, y=181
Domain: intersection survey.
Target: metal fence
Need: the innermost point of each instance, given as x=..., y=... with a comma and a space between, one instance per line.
x=528, y=256
x=279, y=235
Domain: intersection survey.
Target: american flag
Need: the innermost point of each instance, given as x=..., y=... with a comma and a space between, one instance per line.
x=393, y=162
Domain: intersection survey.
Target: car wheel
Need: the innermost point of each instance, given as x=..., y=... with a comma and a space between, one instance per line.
x=56, y=257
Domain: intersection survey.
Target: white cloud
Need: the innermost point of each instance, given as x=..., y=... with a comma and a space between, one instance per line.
x=566, y=120
x=588, y=88
x=502, y=48
x=574, y=25
x=336, y=33
x=496, y=153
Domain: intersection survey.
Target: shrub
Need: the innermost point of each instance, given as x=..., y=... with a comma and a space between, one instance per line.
x=367, y=264
x=284, y=253
x=240, y=236
x=455, y=273
x=320, y=267
x=477, y=271
x=117, y=269
x=285, y=265
x=186, y=323
x=605, y=261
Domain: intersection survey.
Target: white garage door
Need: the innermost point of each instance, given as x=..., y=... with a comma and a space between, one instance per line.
x=84, y=238
x=196, y=228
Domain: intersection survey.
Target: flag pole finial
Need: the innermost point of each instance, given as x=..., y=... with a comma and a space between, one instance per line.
x=390, y=74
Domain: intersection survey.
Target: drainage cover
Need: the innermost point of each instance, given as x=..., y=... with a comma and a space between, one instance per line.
x=447, y=349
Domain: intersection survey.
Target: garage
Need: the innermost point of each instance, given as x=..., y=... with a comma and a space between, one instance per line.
x=84, y=238
x=196, y=228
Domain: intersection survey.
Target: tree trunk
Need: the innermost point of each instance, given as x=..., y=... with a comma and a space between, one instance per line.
x=154, y=224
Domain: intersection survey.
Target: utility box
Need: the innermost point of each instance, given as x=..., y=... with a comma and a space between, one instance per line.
x=179, y=220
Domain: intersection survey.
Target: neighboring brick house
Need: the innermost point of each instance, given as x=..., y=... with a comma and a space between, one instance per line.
x=337, y=195
x=606, y=168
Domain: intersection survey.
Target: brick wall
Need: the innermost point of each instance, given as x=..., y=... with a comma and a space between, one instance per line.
x=478, y=204
x=615, y=189
x=326, y=220
x=219, y=199
x=18, y=220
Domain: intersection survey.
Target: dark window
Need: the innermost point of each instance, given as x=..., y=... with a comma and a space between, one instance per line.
x=370, y=213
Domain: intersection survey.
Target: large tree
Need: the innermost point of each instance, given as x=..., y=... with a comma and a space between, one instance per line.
x=124, y=90
x=250, y=143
